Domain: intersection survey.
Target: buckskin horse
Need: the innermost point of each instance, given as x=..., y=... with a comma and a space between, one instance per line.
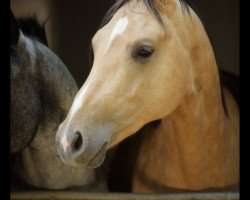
x=153, y=61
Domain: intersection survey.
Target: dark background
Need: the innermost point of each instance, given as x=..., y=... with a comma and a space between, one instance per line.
x=72, y=24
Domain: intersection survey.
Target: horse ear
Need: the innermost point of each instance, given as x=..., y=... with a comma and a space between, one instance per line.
x=14, y=30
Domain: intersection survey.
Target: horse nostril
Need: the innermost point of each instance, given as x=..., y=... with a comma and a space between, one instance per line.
x=77, y=144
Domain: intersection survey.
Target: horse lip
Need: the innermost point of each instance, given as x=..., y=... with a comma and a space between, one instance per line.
x=95, y=162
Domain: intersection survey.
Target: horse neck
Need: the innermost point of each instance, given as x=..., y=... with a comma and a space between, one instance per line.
x=199, y=124
x=203, y=99
x=57, y=81
x=40, y=164
x=54, y=80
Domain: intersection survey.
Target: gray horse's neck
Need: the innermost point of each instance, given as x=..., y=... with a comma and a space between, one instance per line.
x=40, y=164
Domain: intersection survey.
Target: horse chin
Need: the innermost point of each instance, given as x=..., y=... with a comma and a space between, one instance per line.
x=99, y=157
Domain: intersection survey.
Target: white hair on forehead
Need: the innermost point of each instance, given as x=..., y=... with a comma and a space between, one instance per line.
x=119, y=28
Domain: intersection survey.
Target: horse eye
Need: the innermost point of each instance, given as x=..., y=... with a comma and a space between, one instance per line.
x=143, y=52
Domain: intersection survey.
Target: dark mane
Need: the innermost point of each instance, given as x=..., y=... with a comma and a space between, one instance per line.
x=32, y=28
x=150, y=5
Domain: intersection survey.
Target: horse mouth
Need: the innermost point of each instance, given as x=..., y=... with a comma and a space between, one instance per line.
x=84, y=160
x=98, y=158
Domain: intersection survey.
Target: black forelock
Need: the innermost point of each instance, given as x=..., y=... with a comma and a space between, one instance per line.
x=150, y=5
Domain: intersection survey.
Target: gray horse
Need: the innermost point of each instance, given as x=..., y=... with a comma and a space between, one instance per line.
x=42, y=91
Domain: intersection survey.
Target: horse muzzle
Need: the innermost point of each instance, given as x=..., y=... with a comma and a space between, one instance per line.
x=79, y=151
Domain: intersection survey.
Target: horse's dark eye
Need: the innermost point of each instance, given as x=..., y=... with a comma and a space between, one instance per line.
x=143, y=52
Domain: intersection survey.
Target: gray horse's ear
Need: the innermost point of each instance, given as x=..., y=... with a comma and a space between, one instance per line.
x=14, y=30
